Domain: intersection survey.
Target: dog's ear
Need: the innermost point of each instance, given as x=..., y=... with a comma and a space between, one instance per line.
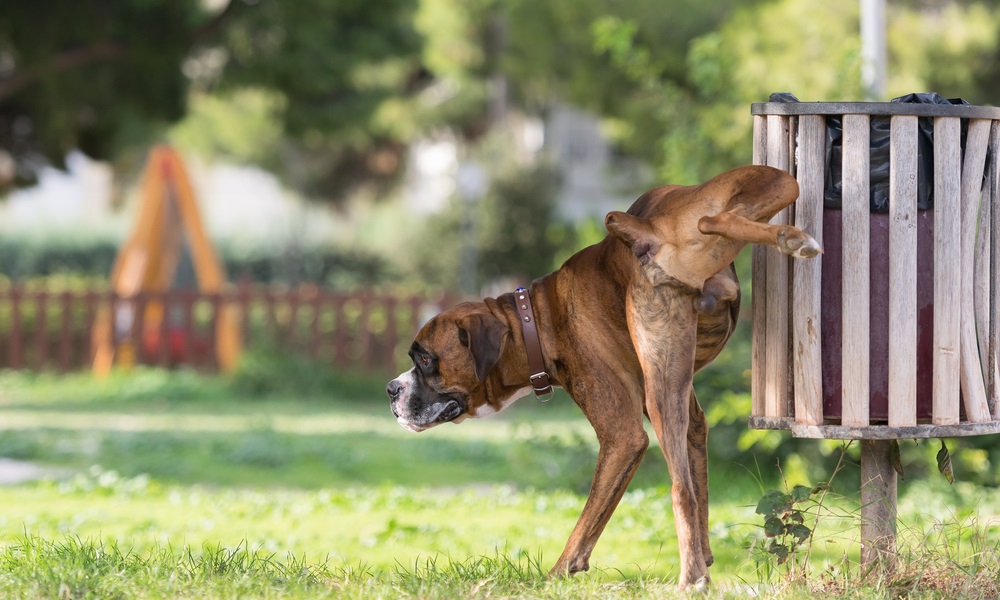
x=483, y=336
x=637, y=233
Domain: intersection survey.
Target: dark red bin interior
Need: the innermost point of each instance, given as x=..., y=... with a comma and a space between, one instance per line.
x=832, y=309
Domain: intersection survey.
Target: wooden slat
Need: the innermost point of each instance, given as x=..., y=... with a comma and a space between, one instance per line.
x=214, y=303
x=166, y=303
x=903, y=272
x=340, y=331
x=808, y=368
x=759, y=140
x=15, y=347
x=973, y=388
x=981, y=277
x=792, y=168
x=874, y=432
x=390, y=336
x=187, y=300
x=90, y=303
x=855, y=327
x=994, y=198
x=776, y=360
x=365, y=335
x=315, y=337
x=758, y=342
x=947, y=279
x=65, y=331
x=41, y=330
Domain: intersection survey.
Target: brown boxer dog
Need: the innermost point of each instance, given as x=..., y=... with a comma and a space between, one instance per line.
x=588, y=320
x=681, y=243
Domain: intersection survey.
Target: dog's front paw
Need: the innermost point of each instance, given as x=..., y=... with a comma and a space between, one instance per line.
x=798, y=244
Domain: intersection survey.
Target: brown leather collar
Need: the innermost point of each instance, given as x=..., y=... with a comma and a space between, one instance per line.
x=538, y=376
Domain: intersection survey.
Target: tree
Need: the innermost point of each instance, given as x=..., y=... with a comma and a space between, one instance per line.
x=102, y=76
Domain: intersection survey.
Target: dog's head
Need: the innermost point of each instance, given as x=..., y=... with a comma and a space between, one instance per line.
x=454, y=375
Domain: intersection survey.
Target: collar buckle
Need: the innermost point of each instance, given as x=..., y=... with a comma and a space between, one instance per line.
x=540, y=381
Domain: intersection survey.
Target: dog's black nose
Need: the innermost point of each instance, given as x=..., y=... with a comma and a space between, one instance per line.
x=394, y=389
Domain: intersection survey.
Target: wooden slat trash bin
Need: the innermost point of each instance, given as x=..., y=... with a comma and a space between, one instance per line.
x=952, y=329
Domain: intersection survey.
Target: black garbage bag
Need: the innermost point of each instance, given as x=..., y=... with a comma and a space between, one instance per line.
x=879, y=153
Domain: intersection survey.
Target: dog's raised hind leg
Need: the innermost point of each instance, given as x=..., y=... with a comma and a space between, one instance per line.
x=788, y=239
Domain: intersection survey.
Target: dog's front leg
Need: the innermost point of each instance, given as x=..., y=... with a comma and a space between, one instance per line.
x=614, y=409
x=663, y=325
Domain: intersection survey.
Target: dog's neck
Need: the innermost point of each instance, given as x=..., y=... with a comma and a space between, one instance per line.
x=514, y=370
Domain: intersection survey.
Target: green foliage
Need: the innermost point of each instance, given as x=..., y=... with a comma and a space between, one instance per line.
x=697, y=125
x=267, y=371
x=330, y=94
x=72, y=82
x=518, y=234
x=944, y=463
x=242, y=125
x=30, y=257
x=78, y=568
x=785, y=530
x=514, y=227
x=341, y=268
x=337, y=80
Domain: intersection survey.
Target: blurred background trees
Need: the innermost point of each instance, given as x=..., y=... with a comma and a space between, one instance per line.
x=360, y=114
x=332, y=98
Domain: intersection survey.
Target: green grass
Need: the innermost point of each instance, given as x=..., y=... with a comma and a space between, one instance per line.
x=179, y=485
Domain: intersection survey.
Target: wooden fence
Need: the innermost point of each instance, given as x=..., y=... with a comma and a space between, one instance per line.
x=362, y=331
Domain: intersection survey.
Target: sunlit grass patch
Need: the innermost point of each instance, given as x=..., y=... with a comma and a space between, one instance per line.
x=286, y=497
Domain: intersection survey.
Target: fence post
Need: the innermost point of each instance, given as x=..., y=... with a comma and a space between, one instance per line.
x=41, y=330
x=16, y=347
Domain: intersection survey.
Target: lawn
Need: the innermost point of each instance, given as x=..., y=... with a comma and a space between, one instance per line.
x=173, y=484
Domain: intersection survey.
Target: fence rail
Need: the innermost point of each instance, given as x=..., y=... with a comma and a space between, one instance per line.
x=360, y=331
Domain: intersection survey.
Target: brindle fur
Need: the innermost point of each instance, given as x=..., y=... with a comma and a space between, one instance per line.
x=680, y=241
x=592, y=315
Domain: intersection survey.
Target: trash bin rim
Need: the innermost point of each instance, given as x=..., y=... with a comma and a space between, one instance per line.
x=965, y=111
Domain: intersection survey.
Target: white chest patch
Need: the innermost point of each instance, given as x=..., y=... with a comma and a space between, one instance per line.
x=485, y=410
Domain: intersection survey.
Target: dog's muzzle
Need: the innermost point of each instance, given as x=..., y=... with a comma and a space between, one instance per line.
x=395, y=390
x=415, y=410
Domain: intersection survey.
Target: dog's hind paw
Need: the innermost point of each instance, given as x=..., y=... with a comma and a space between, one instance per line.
x=798, y=244
x=702, y=585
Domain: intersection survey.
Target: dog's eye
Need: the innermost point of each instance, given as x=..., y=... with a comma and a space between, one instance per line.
x=425, y=361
